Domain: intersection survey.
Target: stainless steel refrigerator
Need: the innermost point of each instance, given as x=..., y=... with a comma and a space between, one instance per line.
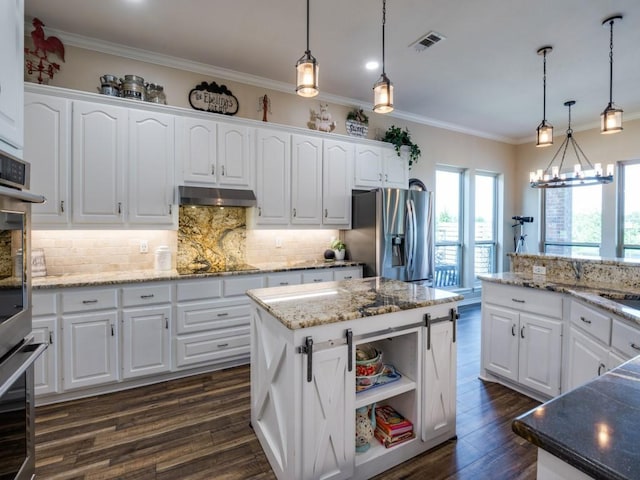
x=392, y=233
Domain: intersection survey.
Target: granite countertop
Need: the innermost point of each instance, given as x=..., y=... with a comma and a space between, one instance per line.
x=589, y=293
x=139, y=276
x=594, y=427
x=302, y=306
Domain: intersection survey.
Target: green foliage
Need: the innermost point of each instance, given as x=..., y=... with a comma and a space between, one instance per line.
x=358, y=115
x=337, y=244
x=401, y=137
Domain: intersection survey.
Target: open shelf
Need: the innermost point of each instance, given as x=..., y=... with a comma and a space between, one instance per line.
x=377, y=394
x=377, y=450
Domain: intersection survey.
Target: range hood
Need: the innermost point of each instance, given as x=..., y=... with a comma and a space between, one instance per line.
x=220, y=197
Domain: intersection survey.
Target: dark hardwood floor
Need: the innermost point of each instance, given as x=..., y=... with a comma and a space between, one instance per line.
x=197, y=428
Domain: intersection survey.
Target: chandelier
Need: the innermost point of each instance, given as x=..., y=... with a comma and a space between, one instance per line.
x=583, y=173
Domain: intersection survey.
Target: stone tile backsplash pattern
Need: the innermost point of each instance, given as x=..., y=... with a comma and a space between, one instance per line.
x=615, y=274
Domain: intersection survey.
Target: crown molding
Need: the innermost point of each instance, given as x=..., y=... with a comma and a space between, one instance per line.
x=116, y=49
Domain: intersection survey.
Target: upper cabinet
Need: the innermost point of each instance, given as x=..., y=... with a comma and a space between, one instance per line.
x=379, y=167
x=306, y=180
x=273, y=172
x=11, y=76
x=337, y=164
x=234, y=156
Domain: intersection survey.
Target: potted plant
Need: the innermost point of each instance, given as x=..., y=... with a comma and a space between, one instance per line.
x=402, y=138
x=357, y=123
x=339, y=248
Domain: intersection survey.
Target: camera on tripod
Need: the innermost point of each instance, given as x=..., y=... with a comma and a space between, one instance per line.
x=521, y=219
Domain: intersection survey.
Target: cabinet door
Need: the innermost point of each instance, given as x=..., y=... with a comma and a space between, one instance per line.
x=234, y=156
x=98, y=156
x=273, y=155
x=46, y=366
x=12, y=72
x=395, y=169
x=328, y=421
x=587, y=359
x=199, y=150
x=46, y=146
x=306, y=180
x=540, y=353
x=151, y=166
x=500, y=341
x=337, y=160
x=145, y=341
x=439, y=388
x=90, y=353
x=367, y=167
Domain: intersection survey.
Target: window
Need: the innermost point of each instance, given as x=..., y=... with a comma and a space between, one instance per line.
x=572, y=220
x=448, y=244
x=485, y=224
x=629, y=211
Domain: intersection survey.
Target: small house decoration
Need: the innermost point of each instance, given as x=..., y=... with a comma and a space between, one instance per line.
x=211, y=97
x=357, y=123
x=36, y=62
x=322, y=121
x=402, y=138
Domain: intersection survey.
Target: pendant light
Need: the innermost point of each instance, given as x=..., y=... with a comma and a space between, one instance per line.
x=383, y=89
x=584, y=173
x=307, y=70
x=544, y=132
x=611, y=118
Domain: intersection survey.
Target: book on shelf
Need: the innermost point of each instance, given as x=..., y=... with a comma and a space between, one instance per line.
x=391, y=422
x=389, y=441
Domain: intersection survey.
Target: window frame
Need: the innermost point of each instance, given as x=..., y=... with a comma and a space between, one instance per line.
x=494, y=242
x=621, y=247
x=459, y=245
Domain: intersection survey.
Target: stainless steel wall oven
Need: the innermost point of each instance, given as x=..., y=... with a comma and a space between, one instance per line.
x=17, y=351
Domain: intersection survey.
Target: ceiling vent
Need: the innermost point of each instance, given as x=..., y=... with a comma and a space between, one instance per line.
x=428, y=40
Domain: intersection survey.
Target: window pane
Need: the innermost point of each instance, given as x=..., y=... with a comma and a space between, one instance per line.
x=631, y=207
x=485, y=208
x=447, y=206
x=567, y=251
x=447, y=273
x=573, y=215
x=484, y=259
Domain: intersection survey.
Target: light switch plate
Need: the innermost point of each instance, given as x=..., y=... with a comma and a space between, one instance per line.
x=539, y=270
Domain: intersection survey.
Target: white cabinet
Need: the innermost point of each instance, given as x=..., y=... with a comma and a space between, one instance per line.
x=99, y=151
x=306, y=180
x=45, y=330
x=47, y=138
x=347, y=273
x=280, y=279
x=379, y=167
x=235, y=155
x=273, y=166
x=317, y=276
x=522, y=337
x=337, y=164
x=11, y=75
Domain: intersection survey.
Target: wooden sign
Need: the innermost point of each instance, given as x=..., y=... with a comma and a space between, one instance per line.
x=211, y=97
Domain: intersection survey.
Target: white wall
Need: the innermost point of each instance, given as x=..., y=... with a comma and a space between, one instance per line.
x=598, y=148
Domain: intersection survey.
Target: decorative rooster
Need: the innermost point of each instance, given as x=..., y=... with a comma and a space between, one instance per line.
x=40, y=65
x=51, y=44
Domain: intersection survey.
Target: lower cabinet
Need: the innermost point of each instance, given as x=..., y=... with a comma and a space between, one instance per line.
x=45, y=330
x=145, y=341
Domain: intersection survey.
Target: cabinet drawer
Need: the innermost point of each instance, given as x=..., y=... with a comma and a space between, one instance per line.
x=283, y=279
x=238, y=286
x=198, y=289
x=522, y=298
x=212, y=346
x=86, y=300
x=347, y=273
x=134, y=296
x=625, y=338
x=44, y=303
x=201, y=316
x=316, y=276
x=591, y=320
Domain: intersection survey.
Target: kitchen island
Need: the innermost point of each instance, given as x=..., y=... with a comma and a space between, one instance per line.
x=303, y=379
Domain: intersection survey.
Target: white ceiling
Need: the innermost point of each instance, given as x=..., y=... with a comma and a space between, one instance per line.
x=485, y=77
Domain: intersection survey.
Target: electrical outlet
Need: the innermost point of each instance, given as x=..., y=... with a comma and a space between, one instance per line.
x=278, y=242
x=144, y=246
x=539, y=270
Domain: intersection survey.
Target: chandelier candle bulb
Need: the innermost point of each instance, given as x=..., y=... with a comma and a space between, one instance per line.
x=555, y=170
x=598, y=168
x=610, y=170
x=577, y=169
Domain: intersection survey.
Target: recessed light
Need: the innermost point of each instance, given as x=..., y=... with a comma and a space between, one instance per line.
x=372, y=65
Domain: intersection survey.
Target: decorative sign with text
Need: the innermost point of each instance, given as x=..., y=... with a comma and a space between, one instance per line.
x=211, y=97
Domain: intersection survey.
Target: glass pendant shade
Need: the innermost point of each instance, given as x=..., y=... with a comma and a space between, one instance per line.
x=383, y=95
x=307, y=76
x=544, y=134
x=611, y=120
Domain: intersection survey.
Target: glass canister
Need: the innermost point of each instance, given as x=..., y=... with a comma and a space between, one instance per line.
x=155, y=94
x=132, y=86
x=109, y=85
x=163, y=258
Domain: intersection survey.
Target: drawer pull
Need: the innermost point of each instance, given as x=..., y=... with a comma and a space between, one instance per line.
x=634, y=346
x=600, y=368
x=348, y=277
x=89, y=302
x=147, y=296
x=284, y=283
x=317, y=279
x=224, y=314
x=517, y=300
x=586, y=320
x=222, y=345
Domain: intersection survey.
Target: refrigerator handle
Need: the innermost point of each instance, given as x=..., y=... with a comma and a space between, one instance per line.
x=410, y=237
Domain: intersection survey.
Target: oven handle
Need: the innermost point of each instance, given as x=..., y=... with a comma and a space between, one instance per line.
x=20, y=195
x=18, y=363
